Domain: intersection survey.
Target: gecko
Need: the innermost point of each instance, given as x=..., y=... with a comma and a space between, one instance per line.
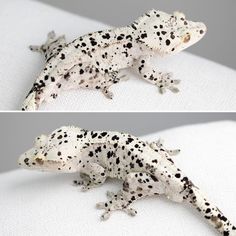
x=95, y=60
x=146, y=169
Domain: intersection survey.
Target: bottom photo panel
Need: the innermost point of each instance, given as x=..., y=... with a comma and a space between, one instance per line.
x=118, y=174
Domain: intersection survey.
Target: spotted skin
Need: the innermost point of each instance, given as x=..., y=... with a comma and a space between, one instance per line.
x=146, y=169
x=94, y=60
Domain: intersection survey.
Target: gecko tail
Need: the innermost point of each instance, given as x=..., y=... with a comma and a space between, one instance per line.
x=30, y=103
x=209, y=211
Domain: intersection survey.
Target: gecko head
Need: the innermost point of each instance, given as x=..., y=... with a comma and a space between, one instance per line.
x=53, y=152
x=168, y=33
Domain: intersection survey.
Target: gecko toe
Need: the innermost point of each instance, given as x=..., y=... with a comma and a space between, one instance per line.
x=105, y=216
x=131, y=211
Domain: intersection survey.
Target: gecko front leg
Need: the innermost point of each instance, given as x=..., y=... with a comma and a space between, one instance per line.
x=162, y=80
x=92, y=175
x=136, y=186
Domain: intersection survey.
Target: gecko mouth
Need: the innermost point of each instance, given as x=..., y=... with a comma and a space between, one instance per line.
x=38, y=162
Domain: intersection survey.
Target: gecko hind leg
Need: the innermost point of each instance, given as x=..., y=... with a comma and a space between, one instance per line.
x=111, y=78
x=136, y=186
x=158, y=146
x=51, y=47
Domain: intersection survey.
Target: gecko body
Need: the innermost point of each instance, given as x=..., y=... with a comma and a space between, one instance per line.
x=94, y=61
x=146, y=169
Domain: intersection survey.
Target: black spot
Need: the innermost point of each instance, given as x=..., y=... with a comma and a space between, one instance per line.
x=208, y=210
x=139, y=163
x=133, y=26
x=62, y=56
x=66, y=76
x=115, y=137
x=103, y=134
x=133, y=198
x=117, y=160
x=93, y=43
x=59, y=137
x=109, y=154
x=143, y=35
x=226, y=233
x=52, y=79
x=90, y=154
x=129, y=140
x=120, y=37
x=46, y=77
x=106, y=36
x=81, y=71
x=59, y=153
x=129, y=45
x=177, y=175
x=94, y=135
x=167, y=42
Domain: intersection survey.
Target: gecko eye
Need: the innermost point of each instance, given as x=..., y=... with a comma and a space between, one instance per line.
x=186, y=38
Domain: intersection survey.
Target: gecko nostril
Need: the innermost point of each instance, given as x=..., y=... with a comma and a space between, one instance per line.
x=201, y=31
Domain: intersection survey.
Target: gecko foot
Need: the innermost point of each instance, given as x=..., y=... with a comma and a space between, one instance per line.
x=115, y=202
x=165, y=81
x=108, y=94
x=85, y=182
x=158, y=145
x=51, y=40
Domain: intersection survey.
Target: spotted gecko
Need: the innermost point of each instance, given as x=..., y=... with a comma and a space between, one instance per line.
x=146, y=169
x=94, y=61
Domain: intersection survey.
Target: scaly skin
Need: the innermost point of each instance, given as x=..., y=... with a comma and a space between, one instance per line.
x=94, y=60
x=145, y=168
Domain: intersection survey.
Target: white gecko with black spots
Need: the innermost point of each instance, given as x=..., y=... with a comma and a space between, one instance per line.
x=145, y=168
x=94, y=60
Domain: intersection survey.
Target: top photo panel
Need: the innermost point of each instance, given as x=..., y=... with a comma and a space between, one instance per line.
x=117, y=55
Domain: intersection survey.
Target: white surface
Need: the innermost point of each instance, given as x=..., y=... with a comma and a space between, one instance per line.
x=35, y=203
x=204, y=85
